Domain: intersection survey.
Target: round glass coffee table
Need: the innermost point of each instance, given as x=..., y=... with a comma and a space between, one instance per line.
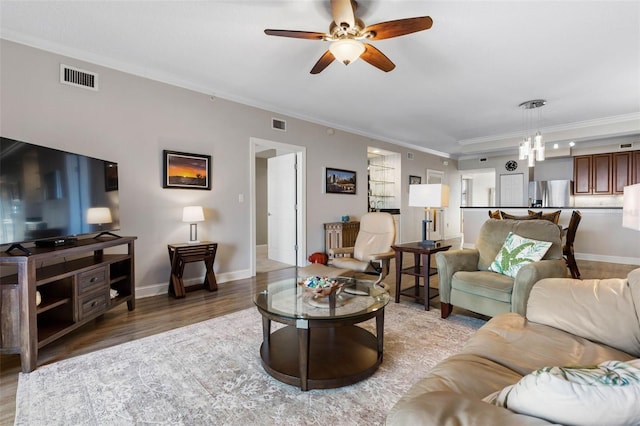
x=320, y=347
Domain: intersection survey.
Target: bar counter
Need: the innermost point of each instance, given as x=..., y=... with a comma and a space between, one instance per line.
x=600, y=235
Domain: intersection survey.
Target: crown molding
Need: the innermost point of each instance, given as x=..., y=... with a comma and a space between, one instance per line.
x=579, y=125
x=173, y=80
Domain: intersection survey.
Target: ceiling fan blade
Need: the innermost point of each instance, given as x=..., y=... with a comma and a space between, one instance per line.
x=398, y=27
x=296, y=34
x=343, y=12
x=323, y=62
x=377, y=58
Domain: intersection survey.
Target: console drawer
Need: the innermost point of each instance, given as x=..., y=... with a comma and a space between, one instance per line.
x=92, y=280
x=92, y=305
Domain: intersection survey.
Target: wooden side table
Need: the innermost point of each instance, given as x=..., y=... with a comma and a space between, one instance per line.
x=420, y=252
x=180, y=255
x=340, y=234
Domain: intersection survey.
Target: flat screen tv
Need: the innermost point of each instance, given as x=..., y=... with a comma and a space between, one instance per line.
x=48, y=194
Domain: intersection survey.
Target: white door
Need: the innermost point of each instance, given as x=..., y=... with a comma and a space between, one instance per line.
x=281, y=208
x=511, y=190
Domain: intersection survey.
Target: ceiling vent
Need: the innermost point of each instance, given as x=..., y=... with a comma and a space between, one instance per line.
x=626, y=146
x=277, y=124
x=78, y=77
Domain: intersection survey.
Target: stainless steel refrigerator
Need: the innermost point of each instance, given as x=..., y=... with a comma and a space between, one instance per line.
x=550, y=193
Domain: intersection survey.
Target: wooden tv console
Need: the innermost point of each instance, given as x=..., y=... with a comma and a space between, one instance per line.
x=74, y=282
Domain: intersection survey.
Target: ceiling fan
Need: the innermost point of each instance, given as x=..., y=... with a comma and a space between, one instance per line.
x=347, y=32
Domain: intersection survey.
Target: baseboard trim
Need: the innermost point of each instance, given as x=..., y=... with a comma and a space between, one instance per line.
x=609, y=259
x=163, y=288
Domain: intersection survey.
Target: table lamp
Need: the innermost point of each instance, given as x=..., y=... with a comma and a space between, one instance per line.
x=193, y=214
x=99, y=216
x=631, y=207
x=428, y=196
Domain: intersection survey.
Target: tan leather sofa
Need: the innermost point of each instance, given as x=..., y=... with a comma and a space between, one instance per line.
x=465, y=280
x=568, y=323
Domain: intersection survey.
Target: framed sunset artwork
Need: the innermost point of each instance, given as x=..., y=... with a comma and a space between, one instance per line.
x=183, y=170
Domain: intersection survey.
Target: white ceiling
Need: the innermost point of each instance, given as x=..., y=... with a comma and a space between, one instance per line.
x=455, y=89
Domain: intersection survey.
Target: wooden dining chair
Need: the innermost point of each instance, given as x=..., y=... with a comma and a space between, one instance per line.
x=567, y=248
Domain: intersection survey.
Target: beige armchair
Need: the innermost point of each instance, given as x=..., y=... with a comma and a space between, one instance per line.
x=466, y=281
x=372, y=250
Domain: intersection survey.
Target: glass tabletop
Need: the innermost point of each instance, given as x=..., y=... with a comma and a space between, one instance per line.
x=288, y=299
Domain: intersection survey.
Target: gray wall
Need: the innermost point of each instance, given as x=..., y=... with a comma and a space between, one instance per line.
x=130, y=120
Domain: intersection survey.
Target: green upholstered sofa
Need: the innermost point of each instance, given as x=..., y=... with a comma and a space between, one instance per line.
x=466, y=281
x=569, y=322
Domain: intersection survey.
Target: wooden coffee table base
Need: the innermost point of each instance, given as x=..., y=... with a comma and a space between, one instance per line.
x=335, y=357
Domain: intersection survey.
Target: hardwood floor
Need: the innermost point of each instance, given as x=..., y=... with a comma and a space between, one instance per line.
x=161, y=313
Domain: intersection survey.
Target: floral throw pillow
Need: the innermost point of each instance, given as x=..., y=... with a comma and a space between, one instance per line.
x=516, y=252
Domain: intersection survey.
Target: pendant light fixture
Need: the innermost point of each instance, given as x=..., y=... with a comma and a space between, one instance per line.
x=532, y=147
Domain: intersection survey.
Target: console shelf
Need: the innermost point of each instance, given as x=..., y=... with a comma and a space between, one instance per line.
x=52, y=304
x=74, y=282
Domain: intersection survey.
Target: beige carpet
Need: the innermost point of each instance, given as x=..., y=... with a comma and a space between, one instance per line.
x=210, y=373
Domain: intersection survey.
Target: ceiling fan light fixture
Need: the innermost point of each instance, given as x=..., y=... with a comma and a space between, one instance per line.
x=347, y=50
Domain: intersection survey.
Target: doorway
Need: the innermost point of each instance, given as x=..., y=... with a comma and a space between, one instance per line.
x=278, y=218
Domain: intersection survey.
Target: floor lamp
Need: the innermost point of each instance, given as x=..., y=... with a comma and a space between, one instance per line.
x=631, y=207
x=428, y=196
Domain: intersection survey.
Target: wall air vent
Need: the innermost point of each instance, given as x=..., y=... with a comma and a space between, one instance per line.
x=626, y=146
x=483, y=159
x=79, y=78
x=277, y=124
x=409, y=155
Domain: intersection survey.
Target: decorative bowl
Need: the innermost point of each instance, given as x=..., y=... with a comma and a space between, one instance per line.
x=321, y=286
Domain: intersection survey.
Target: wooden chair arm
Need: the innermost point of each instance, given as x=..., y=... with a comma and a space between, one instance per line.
x=341, y=251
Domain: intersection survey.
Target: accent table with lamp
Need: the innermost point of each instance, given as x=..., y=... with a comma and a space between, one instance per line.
x=428, y=196
x=421, y=252
x=190, y=252
x=183, y=253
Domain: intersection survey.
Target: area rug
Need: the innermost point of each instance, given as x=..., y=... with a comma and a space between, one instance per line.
x=209, y=373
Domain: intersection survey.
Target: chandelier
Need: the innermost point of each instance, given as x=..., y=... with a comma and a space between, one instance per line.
x=532, y=147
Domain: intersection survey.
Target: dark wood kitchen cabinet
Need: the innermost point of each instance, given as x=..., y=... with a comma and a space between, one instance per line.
x=621, y=172
x=604, y=174
x=602, y=182
x=635, y=167
x=592, y=174
x=582, y=174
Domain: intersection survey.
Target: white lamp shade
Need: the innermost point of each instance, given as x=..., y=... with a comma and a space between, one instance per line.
x=429, y=195
x=347, y=50
x=193, y=214
x=99, y=215
x=631, y=207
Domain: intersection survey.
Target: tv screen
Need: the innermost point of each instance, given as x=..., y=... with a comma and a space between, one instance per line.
x=47, y=193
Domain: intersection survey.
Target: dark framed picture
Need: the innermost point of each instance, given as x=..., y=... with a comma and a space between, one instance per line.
x=415, y=180
x=183, y=170
x=110, y=176
x=338, y=181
